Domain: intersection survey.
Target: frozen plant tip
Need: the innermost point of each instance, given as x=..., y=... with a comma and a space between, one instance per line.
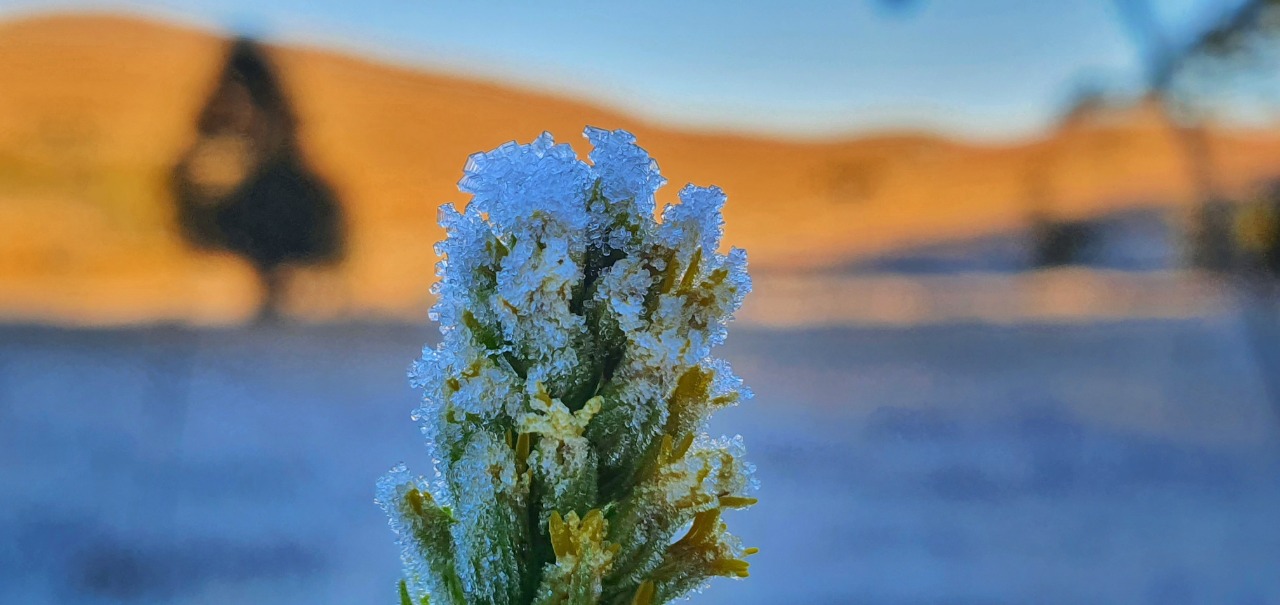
x=564, y=408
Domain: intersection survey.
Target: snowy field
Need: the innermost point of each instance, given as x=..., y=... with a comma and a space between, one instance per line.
x=1121, y=462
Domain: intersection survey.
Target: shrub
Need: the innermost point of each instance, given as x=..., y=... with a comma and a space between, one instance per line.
x=565, y=406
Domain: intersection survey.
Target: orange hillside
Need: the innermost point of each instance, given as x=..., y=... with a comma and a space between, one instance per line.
x=94, y=111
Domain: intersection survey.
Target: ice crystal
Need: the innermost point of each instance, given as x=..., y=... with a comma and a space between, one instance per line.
x=564, y=409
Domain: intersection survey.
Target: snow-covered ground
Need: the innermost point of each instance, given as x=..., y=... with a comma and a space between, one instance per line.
x=1120, y=462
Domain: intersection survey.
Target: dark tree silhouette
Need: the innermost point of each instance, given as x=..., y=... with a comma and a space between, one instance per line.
x=1241, y=45
x=1229, y=46
x=243, y=185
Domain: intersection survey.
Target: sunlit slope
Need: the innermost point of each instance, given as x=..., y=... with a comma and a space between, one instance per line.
x=95, y=109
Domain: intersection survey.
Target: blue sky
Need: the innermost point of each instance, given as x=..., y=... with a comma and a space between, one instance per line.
x=988, y=69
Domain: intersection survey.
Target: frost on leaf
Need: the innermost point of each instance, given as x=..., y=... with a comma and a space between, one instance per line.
x=564, y=409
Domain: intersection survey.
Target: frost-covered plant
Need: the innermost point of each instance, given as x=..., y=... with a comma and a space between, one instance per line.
x=564, y=408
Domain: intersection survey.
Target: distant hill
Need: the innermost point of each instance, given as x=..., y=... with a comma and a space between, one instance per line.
x=94, y=110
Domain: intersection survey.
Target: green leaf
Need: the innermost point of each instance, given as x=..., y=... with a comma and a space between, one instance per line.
x=404, y=594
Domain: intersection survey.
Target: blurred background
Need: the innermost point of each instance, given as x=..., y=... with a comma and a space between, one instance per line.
x=1014, y=335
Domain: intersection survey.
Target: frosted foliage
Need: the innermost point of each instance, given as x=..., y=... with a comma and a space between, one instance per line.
x=626, y=171
x=531, y=302
x=628, y=179
x=491, y=390
x=623, y=288
x=563, y=461
x=564, y=408
x=422, y=531
x=466, y=232
x=485, y=491
x=721, y=464
x=390, y=492
x=516, y=184
x=696, y=222
x=726, y=384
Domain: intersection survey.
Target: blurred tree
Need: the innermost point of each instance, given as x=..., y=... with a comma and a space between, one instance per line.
x=1184, y=75
x=243, y=186
x=1237, y=42
x=1233, y=33
x=1054, y=240
x=1240, y=32
x=1241, y=45
x=1209, y=237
